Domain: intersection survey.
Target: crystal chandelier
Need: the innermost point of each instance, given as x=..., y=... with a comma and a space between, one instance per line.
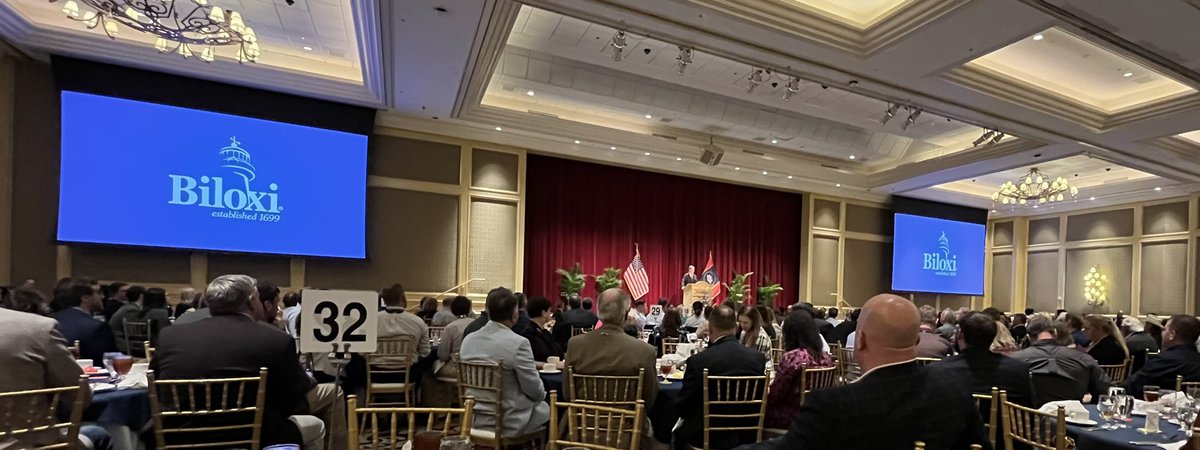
x=181, y=26
x=1034, y=188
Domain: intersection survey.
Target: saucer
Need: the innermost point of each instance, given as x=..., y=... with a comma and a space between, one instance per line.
x=1087, y=422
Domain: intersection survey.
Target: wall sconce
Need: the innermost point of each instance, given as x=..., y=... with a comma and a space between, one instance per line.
x=1095, y=287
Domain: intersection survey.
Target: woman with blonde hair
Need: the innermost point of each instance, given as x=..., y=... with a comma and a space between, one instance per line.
x=1108, y=345
x=1003, y=343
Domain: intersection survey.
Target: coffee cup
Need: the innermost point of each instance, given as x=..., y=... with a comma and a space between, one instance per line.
x=84, y=363
x=551, y=362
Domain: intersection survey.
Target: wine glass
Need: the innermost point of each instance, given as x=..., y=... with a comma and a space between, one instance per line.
x=1107, y=406
x=664, y=367
x=1186, y=412
x=1124, y=409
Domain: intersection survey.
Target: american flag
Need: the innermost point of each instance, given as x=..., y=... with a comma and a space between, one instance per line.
x=635, y=277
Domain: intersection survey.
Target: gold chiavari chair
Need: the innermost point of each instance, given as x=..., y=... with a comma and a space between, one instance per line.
x=595, y=427
x=136, y=332
x=485, y=382
x=1117, y=372
x=731, y=404
x=435, y=334
x=848, y=369
x=605, y=390
x=669, y=345
x=814, y=378
x=389, y=371
x=576, y=331
x=74, y=349
x=148, y=350
x=212, y=413
x=993, y=412
x=30, y=418
x=1034, y=428
x=924, y=361
x=776, y=356
x=921, y=446
x=1185, y=386
x=382, y=426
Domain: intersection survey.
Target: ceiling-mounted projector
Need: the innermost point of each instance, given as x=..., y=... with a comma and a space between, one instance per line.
x=712, y=154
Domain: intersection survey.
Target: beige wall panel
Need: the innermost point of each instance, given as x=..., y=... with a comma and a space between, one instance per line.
x=131, y=264
x=411, y=159
x=865, y=219
x=922, y=299
x=1043, y=231
x=276, y=269
x=954, y=301
x=1041, y=291
x=1100, y=225
x=1164, y=278
x=1002, y=279
x=824, y=271
x=1168, y=218
x=495, y=170
x=871, y=272
x=1002, y=234
x=412, y=238
x=1116, y=262
x=493, y=245
x=826, y=214
x=35, y=174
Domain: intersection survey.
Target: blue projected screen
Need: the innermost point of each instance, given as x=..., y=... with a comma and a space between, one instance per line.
x=144, y=174
x=938, y=255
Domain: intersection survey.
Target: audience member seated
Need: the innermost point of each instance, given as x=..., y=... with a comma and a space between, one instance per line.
x=1059, y=372
x=1018, y=330
x=133, y=304
x=427, y=309
x=154, y=311
x=452, y=337
x=1179, y=357
x=636, y=316
x=671, y=327
x=774, y=329
x=575, y=317
x=832, y=316
x=843, y=330
x=541, y=341
x=803, y=350
x=896, y=401
x=268, y=295
x=725, y=356
x=1108, y=345
x=187, y=302
x=26, y=300
x=1075, y=325
x=695, y=320
x=525, y=408
x=291, y=313
x=751, y=332
x=947, y=322
x=523, y=322
x=985, y=369
x=609, y=351
x=394, y=321
x=1004, y=343
x=201, y=312
x=117, y=298
x=231, y=344
x=1154, y=327
x=1139, y=342
x=35, y=356
x=95, y=339
x=930, y=344
x=444, y=316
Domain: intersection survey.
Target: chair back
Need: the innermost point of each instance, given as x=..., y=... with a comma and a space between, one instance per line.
x=382, y=426
x=776, y=356
x=210, y=413
x=1032, y=427
x=435, y=333
x=31, y=417
x=848, y=369
x=594, y=426
x=1117, y=372
x=484, y=381
x=148, y=350
x=389, y=371
x=576, y=331
x=813, y=378
x=605, y=390
x=136, y=332
x=1185, y=386
x=989, y=408
x=733, y=405
x=669, y=345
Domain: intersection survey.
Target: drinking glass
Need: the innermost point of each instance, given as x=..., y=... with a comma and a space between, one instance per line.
x=1107, y=406
x=664, y=367
x=1186, y=412
x=122, y=364
x=1167, y=402
x=1124, y=410
x=455, y=443
x=1150, y=393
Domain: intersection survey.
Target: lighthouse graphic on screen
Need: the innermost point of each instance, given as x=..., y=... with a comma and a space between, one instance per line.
x=237, y=159
x=944, y=244
x=941, y=264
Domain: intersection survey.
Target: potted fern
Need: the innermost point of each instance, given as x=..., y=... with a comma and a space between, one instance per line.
x=572, y=281
x=608, y=280
x=767, y=292
x=737, y=289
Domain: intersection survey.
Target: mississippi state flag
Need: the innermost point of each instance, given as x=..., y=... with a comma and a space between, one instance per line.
x=710, y=276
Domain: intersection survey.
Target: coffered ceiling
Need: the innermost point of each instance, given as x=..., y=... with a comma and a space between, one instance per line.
x=1103, y=92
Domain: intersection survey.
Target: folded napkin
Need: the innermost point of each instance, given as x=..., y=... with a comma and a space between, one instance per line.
x=133, y=381
x=1173, y=445
x=1172, y=398
x=1074, y=408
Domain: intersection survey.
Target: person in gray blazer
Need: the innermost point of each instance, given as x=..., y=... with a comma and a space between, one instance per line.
x=525, y=408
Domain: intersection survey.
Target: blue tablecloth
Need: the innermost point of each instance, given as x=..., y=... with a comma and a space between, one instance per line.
x=662, y=415
x=130, y=408
x=1119, y=438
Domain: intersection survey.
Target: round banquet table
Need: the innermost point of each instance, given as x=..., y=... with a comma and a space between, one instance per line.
x=662, y=415
x=1120, y=438
x=123, y=413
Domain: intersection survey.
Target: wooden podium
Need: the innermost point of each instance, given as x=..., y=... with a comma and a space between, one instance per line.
x=699, y=291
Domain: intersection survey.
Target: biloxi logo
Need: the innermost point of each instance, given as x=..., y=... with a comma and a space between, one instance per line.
x=213, y=192
x=943, y=263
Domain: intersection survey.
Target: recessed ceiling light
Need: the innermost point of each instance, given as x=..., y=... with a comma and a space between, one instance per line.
x=838, y=185
x=774, y=141
x=1158, y=188
x=649, y=116
x=613, y=148
x=1038, y=37
x=577, y=141
x=789, y=177
x=1127, y=74
x=530, y=93
x=994, y=210
x=308, y=48
x=1035, y=206
x=647, y=153
x=1091, y=198
x=678, y=159
x=764, y=172
x=737, y=168
x=853, y=157
x=499, y=129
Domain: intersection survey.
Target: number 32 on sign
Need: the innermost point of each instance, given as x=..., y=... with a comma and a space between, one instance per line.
x=330, y=319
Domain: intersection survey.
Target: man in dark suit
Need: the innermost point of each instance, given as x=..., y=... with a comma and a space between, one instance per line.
x=984, y=369
x=725, y=356
x=576, y=317
x=1179, y=357
x=843, y=330
x=895, y=402
x=232, y=344
x=82, y=298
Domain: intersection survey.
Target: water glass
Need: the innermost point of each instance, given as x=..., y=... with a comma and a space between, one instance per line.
x=1186, y=412
x=1107, y=406
x=455, y=443
x=1124, y=409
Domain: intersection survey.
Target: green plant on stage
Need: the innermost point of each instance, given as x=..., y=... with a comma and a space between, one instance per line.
x=767, y=292
x=572, y=281
x=737, y=290
x=608, y=280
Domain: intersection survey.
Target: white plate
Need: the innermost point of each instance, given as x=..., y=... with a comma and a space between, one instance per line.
x=102, y=387
x=1088, y=422
x=550, y=372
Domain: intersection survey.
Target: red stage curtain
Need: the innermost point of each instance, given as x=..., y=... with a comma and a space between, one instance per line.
x=593, y=214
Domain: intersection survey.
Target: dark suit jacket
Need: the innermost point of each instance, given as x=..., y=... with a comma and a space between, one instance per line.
x=95, y=338
x=1019, y=333
x=725, y=357
x=984, y=370
x=573, y=318
x=842, y=331
x=236, y=346
x=542, y=343
x=826, y=330
x=1140, y=344
x=889, y=409
x=110, y=309
x=1161, y=370
x=1108, y=352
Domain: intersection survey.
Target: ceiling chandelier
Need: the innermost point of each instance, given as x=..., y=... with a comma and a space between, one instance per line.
x=181, y=26
x=1034, y=188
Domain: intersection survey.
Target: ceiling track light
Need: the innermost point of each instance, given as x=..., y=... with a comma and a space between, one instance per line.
x=757, y=76
x=684, y=58
x=793, y=86
x=618, y=44
x=891, y=112
x=987, y=134
x=998, y=137
x=912, y=118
